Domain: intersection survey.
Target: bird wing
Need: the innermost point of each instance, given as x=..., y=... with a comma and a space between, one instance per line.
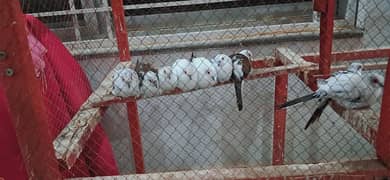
x=317, y=113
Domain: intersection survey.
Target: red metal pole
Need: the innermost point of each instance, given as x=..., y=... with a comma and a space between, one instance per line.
x=23, y=92
x=132, y=111
x=281, y=85
x=326, y=7
x=382, y=144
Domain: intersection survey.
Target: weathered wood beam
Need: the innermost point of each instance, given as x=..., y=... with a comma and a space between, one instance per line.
x=299, y=171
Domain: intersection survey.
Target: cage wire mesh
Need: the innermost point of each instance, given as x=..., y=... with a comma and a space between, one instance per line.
x=199, y=129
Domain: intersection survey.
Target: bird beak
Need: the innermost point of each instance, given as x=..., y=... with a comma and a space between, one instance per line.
x=189, y=76
x=214, y=78
x=155, y=83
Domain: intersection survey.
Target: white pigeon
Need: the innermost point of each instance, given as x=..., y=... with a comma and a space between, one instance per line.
x=186, y=73
x=125, y=83
x=150, y=84
x=206, y=71
x=224, y=66
x=349, y=88
x=241, y=69
x=167, y=79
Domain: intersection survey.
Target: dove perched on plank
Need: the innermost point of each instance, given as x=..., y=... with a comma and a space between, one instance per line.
x=186, y=73
x=241, y=69
x=149, y=82
x=125, y=83
x=168, y=80
x=224, y=66
x=206, y=72
x=351, y=89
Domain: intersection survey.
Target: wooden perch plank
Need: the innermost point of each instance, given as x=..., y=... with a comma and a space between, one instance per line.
x=70, y=142
x=364, y=121
x=102, y=97
x=362, y=167
x=287, y=56
x=367, y=66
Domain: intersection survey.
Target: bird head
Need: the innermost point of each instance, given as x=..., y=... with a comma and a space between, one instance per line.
x=355, y=67
x=150, y=79
x=377, y=81
x=221, y=59
x=211, y=73
x=128, y=75
x=246, y=53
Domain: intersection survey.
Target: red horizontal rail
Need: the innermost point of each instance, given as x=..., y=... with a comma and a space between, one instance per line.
x=352, y=55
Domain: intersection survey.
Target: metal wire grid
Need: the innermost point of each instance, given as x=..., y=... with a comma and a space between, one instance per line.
x=202, y=129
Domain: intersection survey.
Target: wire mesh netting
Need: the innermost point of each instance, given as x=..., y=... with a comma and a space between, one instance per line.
x=202, y=128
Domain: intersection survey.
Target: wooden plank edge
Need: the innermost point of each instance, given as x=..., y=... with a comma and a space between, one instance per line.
x=364, y=121
x=361, y=167
x=70, y=142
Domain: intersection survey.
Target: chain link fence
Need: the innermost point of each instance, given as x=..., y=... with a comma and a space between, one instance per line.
x=200, y=129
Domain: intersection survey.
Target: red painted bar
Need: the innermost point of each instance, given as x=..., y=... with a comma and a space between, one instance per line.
x=382, y=144
x=352, y=55
x=25, y=104
x=124, y=55
x=326, y=34
x=281, y=88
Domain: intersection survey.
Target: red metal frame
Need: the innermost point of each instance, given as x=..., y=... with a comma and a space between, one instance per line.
x=25, y=104
x=280, y=95
x=351, y=55
x=132, y=111
x=326, y=33
x=382, y=144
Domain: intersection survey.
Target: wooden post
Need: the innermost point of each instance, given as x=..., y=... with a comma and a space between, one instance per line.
x=279, y=131
x=23, y=92
x=132, y=111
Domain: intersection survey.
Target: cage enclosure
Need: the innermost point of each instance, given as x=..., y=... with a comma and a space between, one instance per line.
x=70, y=125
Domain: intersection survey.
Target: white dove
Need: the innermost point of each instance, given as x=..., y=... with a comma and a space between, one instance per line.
x=150, y=84
x=241, y=70
x=224, y=66
x=186, y=73
x=206, y=71
x=125, y=83
x=167, y=79
x=348, y=88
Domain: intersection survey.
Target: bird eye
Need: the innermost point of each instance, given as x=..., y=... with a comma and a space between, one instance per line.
x=208, y=72
x=223, y=58
x=185, y=72
x=150, y=80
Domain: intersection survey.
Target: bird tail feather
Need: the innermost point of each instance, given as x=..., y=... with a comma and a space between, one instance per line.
x=237, y=87
x=317, y=113
x=298, y=100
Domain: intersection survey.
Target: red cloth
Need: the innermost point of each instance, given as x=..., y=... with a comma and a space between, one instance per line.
x=67, y=88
